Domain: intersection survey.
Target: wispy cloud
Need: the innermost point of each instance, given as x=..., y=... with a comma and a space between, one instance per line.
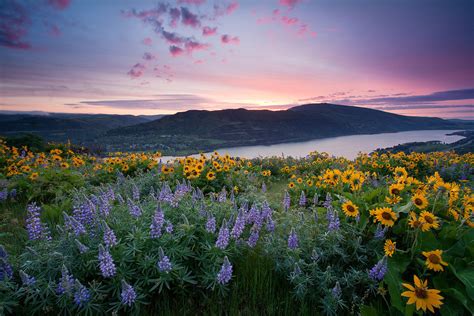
x=450, y=95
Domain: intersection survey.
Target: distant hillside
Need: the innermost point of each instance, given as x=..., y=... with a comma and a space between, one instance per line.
x=462, y=146
x=207, y=130
x=63, y=126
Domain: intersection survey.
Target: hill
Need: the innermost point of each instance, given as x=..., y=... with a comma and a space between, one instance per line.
x=207, y=130
x=80, y=128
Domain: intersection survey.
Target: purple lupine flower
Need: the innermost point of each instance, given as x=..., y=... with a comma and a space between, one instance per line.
x=36, y=230
x=225, y=274
x=222, y=197
x=264, y=187
x=253, y=238
x=302, y=201
x=128, y=294
x=169, y=227
x=270, y=225
x=4, y=194
x=109, y=237
x=135, y=192
x=223, y=237
x=286, y=201
x=81, y=295
x=316, y=199
x=296, y=271
x=328, y=202
x=380, y=232
x=266, y=210
x=6, y=270
x=73, y=225
x=164, y=264
x=379, y=270
x=157, y=223
x=333, y=220
x=239, y=226
x=253, y=214
x=202, y=210
x=106, y=263
x=66, y=283
x=336, y=290
x=134, y=209
x=232, y=196
x=27, y=279
x=104, y=206
x=84, y=213
x=211, y=224
x=293, y=240
x=82, y=248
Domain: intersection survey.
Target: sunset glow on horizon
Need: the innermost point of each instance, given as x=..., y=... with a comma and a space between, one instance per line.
x=162, y=57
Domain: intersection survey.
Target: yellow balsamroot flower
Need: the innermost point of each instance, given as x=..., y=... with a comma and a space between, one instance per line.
x=350, y=209
x=357, y=179
x=396, y=188
x=210, y=176
x=434, y=261
x=346, y=176
x=420, y=201
x=25, y=169
x=125, y=168
x=429, y=221
x=414, y=221
x=110, y=169
x=236, y=189
x=299, y=180
x=291, y=185
x=384, y=215
x=33, y=176
x=165, y=169
x=64, y=165
x=400, y=172
x=422, y=296
x=389, y=247
x=57, y=158
x=309, y=182
x=393, y=199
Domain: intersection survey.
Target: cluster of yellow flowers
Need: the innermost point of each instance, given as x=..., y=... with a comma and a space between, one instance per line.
x=193, y=167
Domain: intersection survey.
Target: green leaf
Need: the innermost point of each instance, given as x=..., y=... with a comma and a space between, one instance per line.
x=396, y=266
x=366, y=310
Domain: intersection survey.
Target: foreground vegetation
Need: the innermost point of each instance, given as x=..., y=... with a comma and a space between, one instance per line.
x=383, y=234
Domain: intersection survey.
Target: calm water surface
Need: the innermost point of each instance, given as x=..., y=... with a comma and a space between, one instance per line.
x=345, y=146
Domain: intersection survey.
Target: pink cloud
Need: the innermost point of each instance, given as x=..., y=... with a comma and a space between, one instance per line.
x=174, y=15
x=59, y=4
x=198, y=61
x=176, y=51
x=14, y=26
x=173, y=38
x=227, y=39
x=289, y=21
x=289, y=3
x=209, y=31
x=137, y=71
x=189, y=18
x=234, y=5
x=148, y=56
x=191, y=46
x=147, y=41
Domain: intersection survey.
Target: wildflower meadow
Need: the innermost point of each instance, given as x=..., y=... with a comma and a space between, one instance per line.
x=128, y=234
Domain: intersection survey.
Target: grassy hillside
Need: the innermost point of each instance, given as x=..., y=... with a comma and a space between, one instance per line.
x=206, y=130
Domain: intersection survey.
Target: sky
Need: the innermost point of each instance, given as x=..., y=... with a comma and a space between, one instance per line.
x=411, y=57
